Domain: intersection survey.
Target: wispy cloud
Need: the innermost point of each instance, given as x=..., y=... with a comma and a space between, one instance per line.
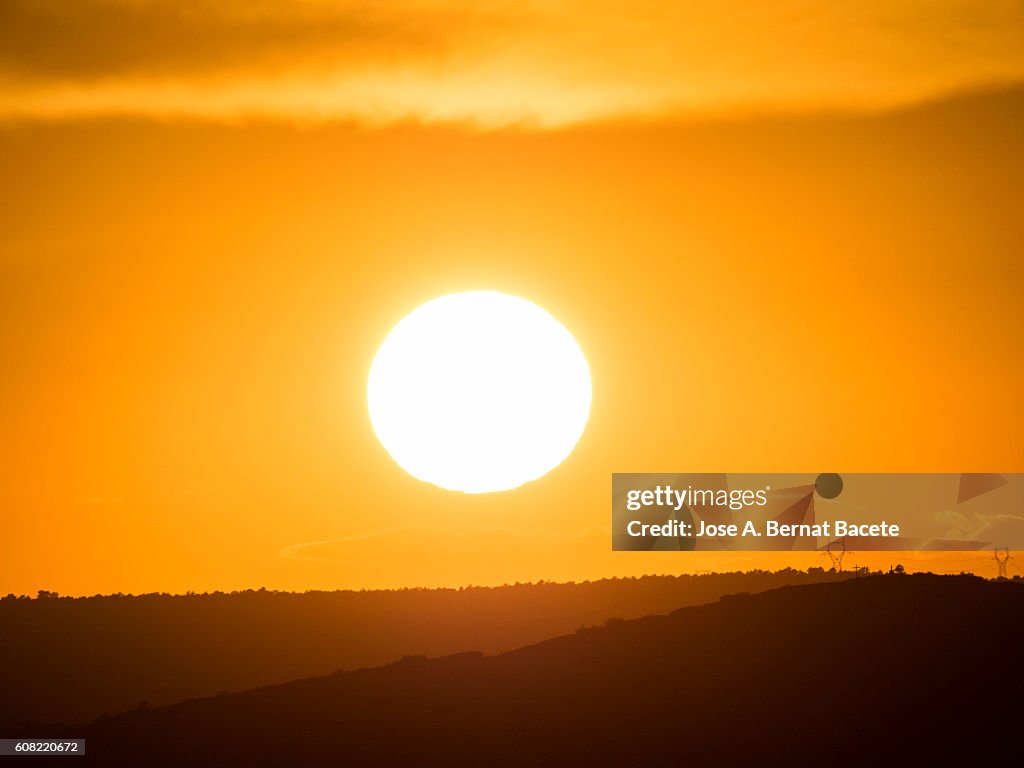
x=492, y=62
x=425, y=538
x=1004, y=529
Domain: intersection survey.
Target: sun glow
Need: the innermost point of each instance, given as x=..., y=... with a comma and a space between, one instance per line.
x=478, y=392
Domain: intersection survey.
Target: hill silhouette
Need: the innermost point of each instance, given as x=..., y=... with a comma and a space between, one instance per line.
x=882, y=668
x=70, y=660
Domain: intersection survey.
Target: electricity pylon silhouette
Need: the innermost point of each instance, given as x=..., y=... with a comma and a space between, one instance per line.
x=1002, y=557
x=836, y=555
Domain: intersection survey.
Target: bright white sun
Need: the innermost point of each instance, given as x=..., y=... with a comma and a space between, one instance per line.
x=478, y=392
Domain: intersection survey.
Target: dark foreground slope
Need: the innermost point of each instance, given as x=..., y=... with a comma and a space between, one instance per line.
x=886, y=668
x=70, y=660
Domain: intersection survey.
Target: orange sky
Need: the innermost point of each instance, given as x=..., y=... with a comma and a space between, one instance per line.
x=493, y=62
x=192, y=297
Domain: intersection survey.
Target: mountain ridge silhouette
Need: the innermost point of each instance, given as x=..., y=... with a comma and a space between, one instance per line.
x=876, y=668
x=77, y=658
